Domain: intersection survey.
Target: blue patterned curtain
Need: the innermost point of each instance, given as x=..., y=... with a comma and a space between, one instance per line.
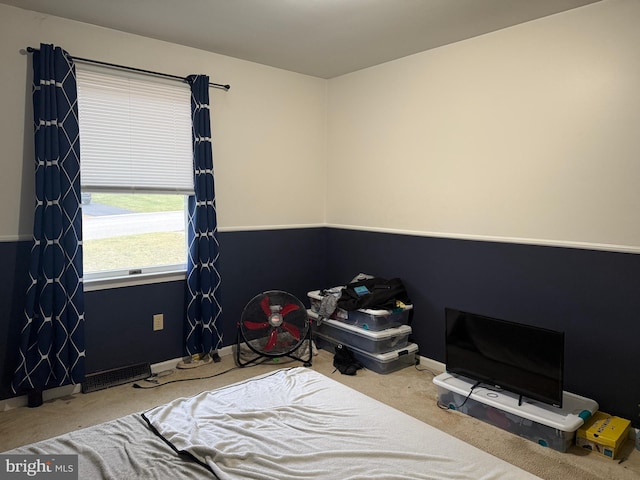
x=203, y=279
x=52, y=351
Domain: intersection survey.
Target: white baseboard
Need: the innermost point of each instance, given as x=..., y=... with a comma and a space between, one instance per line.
x=437, y=367
x=166, y=365
x=58, y=392
x=170, y=364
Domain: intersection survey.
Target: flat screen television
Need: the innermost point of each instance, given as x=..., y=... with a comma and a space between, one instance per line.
x=523, y=359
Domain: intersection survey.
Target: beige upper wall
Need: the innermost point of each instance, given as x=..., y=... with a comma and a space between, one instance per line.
x=269, y=130
x=527, y=134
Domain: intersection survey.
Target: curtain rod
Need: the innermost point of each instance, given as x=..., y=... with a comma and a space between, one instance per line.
x=139, y=70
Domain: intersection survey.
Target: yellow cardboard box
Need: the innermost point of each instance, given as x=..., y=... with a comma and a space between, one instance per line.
x=603, y=433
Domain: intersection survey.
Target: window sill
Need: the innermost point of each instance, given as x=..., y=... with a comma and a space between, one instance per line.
x=133, y=280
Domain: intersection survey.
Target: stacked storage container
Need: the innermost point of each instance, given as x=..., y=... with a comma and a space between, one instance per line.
x=379, y=339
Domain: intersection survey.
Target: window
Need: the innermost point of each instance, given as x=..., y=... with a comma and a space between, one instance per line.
x=136, y=172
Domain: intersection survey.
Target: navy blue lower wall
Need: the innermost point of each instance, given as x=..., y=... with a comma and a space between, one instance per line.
x=256, y=261
x=119, y=325
x=119, y=321
x=593, y=296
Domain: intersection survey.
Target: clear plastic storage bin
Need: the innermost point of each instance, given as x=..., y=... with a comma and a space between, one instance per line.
x=542, y=434
x=368, y=319
x=381, y=362
x=380, y=341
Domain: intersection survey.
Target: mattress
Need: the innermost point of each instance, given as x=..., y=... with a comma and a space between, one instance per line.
x=293, y=423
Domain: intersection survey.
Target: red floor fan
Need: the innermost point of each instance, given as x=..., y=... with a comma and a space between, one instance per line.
x=274, y=324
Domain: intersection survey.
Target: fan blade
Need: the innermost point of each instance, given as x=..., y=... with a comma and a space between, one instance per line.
x=288, y=308
x=264, y=303
x=255, y=325
x=292, y=329
x=273, y=338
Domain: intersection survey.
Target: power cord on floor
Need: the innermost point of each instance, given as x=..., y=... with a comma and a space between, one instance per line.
x=137, y=385
x=433, y=374
x=458, y=407
x=154, y=377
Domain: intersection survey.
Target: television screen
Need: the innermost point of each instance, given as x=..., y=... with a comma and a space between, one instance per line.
x=522, y=359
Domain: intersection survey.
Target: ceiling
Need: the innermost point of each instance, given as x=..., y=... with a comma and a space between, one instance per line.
x=323, y=38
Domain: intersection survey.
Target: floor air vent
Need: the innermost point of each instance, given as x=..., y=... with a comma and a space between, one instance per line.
x=116, y=376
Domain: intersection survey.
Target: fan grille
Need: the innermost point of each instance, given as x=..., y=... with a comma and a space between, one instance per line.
x=274, y=323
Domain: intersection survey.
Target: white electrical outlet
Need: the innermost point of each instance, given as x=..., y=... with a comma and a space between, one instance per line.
x=158, y=321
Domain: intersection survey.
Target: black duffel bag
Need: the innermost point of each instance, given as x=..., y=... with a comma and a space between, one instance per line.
x=373, y=293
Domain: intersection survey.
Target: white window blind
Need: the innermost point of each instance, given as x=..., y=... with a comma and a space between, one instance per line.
x=135, y=132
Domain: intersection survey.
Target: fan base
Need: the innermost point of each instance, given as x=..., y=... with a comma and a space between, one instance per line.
x=307, y=362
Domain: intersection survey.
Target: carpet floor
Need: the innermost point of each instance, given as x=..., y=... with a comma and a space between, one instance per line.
x=410, y=390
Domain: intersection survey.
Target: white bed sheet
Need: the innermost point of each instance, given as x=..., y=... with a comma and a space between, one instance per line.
x=298, y=424
x=122, y=449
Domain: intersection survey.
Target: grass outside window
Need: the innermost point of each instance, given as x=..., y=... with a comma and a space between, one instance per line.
x=139, y=250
